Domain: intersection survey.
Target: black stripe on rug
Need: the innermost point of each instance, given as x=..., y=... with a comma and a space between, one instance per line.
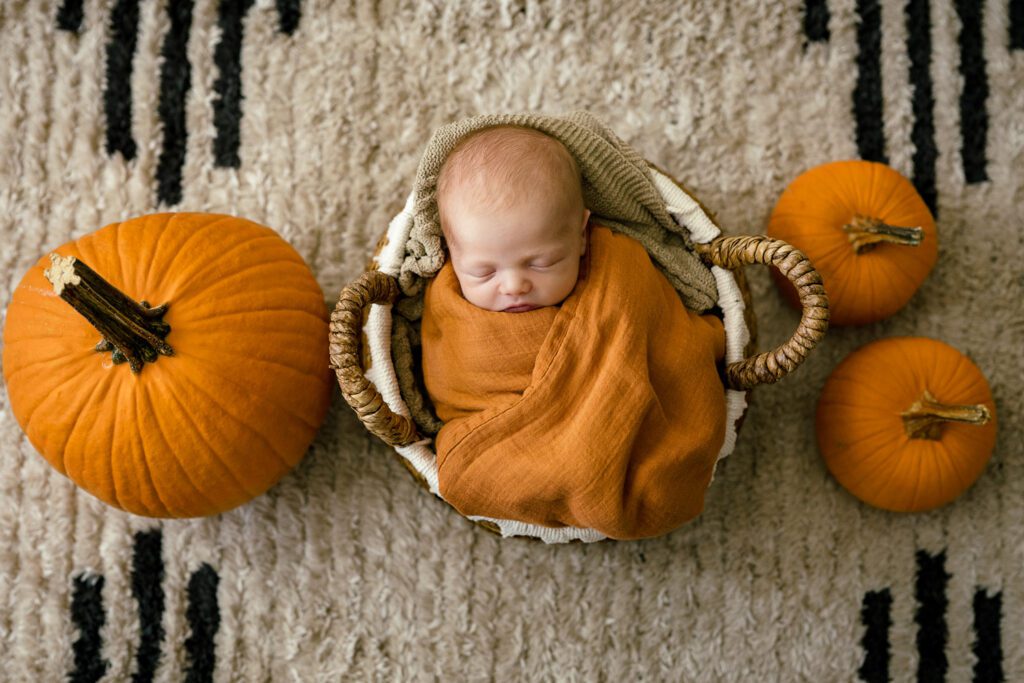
x=867, y=95
x=988, y=645
x=1017, y=24
x=932, y=632
x=919, y=47
x=147, y=587
x=70, y=15
x=117, y=95
x=175, y=82
x=974, y=98
x=289, y=12
x=816, y=16
x=227, y=105
x=875, y=614
x=203, y=614
x=88, y=617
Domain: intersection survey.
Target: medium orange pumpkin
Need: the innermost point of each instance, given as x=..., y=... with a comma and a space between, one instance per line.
x=906, y=423
x=226, y=382
x=866, y=230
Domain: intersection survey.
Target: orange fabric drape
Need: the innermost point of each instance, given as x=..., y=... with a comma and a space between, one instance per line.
x=605, y=412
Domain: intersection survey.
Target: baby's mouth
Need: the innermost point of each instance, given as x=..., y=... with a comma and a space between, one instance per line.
x=521, y=308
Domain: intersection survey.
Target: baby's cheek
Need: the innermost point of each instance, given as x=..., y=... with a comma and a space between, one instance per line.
x=474, y=292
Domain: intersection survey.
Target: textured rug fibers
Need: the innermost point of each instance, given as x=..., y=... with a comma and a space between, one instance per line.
x=309, y=117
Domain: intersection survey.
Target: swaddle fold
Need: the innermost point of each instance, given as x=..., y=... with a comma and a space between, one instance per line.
x=605, y=412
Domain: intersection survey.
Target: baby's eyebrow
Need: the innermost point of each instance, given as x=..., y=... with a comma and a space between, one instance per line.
x=554, y=253
x=488, y=264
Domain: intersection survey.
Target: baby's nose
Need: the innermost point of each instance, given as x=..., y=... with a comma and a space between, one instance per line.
x=514, y=284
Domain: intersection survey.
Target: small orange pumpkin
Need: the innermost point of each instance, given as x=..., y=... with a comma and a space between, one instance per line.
x=186, y=409
x=906, y=423
x=866, y=230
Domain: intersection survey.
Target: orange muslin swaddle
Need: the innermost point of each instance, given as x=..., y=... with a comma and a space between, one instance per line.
x=606, y=412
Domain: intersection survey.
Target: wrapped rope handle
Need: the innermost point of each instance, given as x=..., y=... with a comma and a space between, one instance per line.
x=771, y=366
x=375, y=287
x=346, y=331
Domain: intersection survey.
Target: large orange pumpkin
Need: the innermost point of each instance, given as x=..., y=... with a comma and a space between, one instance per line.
x=906, y=423
x=866, y=230
x=224, y=387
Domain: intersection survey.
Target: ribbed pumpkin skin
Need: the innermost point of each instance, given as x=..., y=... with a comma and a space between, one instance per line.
x=206, y=429
x=810, y=215
x=860, y=430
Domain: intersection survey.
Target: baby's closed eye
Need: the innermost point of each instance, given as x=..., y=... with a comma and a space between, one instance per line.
x=545, y=264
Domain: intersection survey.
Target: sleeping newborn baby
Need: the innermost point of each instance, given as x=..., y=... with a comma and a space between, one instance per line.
x=574, y=386
x=512, y=214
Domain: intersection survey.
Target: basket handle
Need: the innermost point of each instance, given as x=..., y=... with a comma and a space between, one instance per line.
x=372, y=287
x=771, y=366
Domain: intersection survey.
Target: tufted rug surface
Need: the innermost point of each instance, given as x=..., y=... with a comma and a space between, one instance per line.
x=309, y=117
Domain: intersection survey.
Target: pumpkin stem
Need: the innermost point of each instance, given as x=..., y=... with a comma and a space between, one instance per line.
x=924, y=419
x=867, y=233
x=133, y=332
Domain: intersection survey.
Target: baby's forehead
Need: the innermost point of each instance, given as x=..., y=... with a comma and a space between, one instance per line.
x=481, y=240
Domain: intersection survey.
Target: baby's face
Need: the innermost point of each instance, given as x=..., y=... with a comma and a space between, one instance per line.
x=517, y=258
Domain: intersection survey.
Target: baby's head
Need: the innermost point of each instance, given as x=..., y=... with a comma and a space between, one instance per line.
x=512, y=213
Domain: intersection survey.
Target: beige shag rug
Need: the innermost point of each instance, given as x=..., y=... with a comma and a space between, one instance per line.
x=309, y=117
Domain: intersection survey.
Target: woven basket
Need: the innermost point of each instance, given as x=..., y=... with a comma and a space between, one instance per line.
x=361, y=331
